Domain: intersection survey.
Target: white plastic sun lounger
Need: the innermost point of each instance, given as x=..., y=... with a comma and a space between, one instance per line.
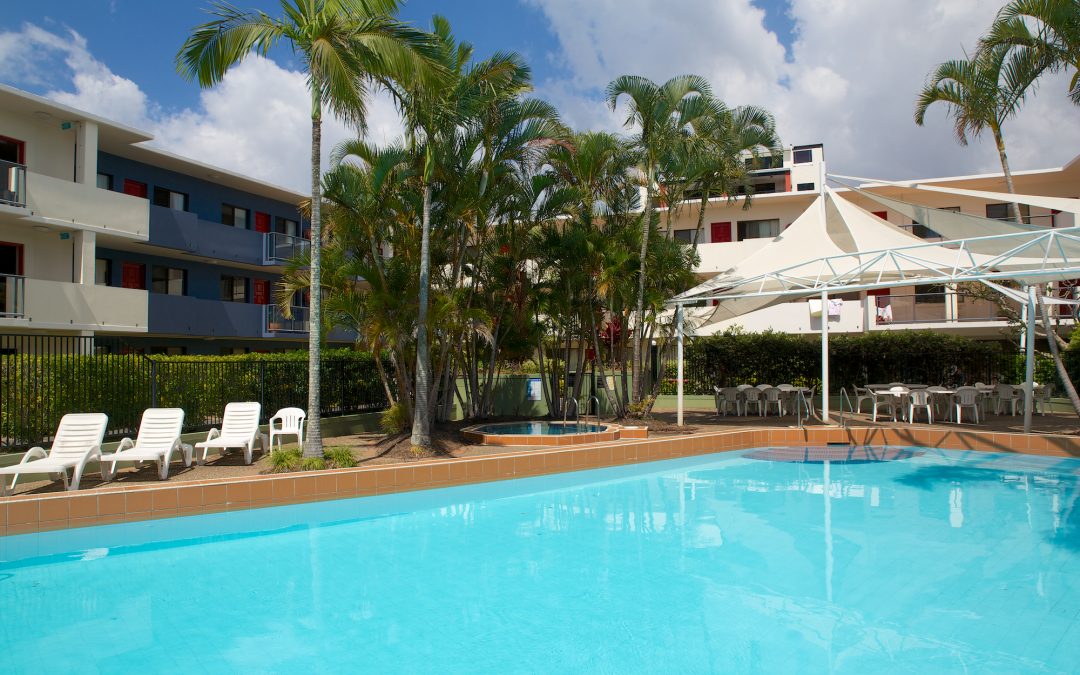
x=239, y=429
x=158, y=439
x=77, y=442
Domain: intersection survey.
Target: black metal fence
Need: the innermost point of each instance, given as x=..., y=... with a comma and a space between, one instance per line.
x=43, y=377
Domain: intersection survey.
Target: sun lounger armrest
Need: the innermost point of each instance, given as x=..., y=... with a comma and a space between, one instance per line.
x=34, y=453
x=93, y=453
x=125, y=444
x=212, y=434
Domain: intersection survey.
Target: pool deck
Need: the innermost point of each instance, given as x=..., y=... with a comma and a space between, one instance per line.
x=112, y=503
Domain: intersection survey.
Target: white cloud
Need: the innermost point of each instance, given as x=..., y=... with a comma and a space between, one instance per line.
x=849, y=81
x=257, y=121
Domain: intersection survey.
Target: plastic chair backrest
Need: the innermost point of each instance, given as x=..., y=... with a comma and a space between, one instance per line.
x=752, y=394
x=159, y=428
x=1005, y=391
x=730, y=393
x=77, y=433
x=241, y=419
x=920, y=397
x=772, y=394
x=291, y=419
x=763, y=387
x=967, y=395
x=899, y=390
x=744, y=386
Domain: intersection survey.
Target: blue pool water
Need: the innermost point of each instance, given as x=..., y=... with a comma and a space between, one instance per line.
x=539, y=428
x=744, y=562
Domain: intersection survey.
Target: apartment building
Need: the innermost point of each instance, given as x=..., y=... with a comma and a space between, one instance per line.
x=782, y=193
x=102, y=235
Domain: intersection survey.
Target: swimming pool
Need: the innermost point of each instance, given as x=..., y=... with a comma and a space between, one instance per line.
x=749, y=561
x=539, y=428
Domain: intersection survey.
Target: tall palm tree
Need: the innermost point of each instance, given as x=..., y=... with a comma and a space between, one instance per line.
x=981, y=93
x=662, y=114
x=344, y=46
x=1044, y=34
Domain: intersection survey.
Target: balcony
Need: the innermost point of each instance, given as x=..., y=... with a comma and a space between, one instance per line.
x=281, y=247
x=59, y=305
x=65, y=203
x=12, y=184
x=187, y=232
x=276, y=321
x=184, y=315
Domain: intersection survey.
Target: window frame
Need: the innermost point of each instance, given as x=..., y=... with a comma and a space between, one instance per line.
x=169, y=192
x=742, y=227
x=809, y=154
x=168, y=280
x=108, y=271
x=230, y=296
x=233, y=208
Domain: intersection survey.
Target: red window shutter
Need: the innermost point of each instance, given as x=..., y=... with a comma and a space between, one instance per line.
x=261, y=291
x=787, y=182
x=135, y=188
x=262, y=222
x=879, y=291
x=884, y=215
x=721, y=233
x=133, y=275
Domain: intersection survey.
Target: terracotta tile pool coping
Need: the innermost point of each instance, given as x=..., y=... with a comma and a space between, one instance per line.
x=36, y=513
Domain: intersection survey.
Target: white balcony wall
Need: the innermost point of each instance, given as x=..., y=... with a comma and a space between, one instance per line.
x=85, y=206
x=49, y=149
x=57, y=305
x=45, y=255
x=792, y=317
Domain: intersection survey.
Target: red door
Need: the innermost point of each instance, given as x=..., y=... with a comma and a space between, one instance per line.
x=262, y=222
x=134, y=188
x=884, y=215
x=721, y=233
x=260, y=291
x=133, y=275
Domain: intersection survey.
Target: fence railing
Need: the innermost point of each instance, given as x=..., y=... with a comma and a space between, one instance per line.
x=42, y=377
x=12, y=184
x=281, y=247
x=12, y=296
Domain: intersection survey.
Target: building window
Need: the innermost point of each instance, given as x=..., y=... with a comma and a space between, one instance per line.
x=760, y=163
x=1001, y=212
x=233, y=289
x=684, y=236
x=759, y=229
x=287, y=226
x=234, y=216
x=12, y=150
x=168, y=280
x=170, y=199
x=105, y=181
x=803, y=156
x=933, y=294
x=923, y=232
x=103, y=272
x=234, y=351
x=765, y=188
x=806, y=187
x=134, y=188
x=954, y=209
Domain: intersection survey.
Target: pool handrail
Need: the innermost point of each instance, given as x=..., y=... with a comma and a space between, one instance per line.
x=592, y=398
x=566, y=409
x=845, y=399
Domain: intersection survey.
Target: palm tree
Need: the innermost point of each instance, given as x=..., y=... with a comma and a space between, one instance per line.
x=344, y=46
x=662, y=114
x=981, y=93
x=1044, y=34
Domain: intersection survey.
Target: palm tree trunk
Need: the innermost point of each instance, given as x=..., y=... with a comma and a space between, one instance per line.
x=1066, y=381
x=639, y=327
x=1000, y=141
x=421, y=430
x=313, y=437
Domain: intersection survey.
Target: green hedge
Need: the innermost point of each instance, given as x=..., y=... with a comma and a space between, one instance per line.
x=881, y=356
x=37, y=390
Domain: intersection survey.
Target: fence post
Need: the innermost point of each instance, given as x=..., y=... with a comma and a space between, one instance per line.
x=262, y=388
x=153, y=383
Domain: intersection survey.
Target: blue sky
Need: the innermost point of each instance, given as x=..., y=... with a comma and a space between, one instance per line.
x=840, y=73
x=139, y=38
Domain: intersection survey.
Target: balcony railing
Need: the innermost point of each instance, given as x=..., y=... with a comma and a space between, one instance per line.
x=281, y=247
x=277, y=322
x=12, y=296
x=1043, y=220
x=933, y=308
x=13, y=184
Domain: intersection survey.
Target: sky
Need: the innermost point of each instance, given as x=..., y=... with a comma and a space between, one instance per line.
x=840, y=72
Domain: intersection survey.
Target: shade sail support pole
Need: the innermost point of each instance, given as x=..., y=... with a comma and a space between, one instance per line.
x=1029, y=366
x=679, y=359
x=825, y=356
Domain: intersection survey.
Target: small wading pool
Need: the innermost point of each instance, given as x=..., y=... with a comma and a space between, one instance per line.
x=549, y=433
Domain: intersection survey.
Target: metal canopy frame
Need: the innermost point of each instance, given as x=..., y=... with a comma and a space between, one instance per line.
x=903, y=266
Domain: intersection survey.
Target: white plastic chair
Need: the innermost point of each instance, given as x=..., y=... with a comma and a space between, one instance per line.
x=752, y=396
x=1007, y=396
x=239, y=429
x=966, y=397
x=287, y=422
x=862, y=394
x=920, y=399
x=763, y=387
x=77, y=442
x=883, y=400
x=1042, y=398
x=773, y=397
x=726, y=398
x=158, y=439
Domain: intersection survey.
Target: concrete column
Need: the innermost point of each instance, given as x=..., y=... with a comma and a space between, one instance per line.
x=85, y=256
x=825, y=356
x=679, y=359
x=952, y=303
x=86, y=152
